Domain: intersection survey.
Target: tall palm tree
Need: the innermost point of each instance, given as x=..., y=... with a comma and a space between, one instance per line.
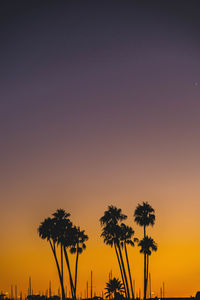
x=113, y=288
x=60, y=232
x=47, y=231
x=66, y=241
x=147, y=245
x=111, y=232
x=77, y=246
x=62, y=221
x=144, y=216
x=127, y=239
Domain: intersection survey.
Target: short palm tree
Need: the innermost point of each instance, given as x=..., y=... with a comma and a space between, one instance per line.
x=144, y=216
x=113, y=288
x=147, y=245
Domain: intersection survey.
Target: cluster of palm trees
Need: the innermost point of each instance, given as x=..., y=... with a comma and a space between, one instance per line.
x=118, y=235
x=65, y=238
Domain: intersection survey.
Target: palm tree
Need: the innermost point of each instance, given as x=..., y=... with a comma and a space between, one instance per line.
x=113, y=288
x=112, y=216
x=144, y=216
x=127, y=239
x=47, y=231
x=77, y=246
x=111, y=232
x=147, y=245
x=67, y=241
x=60, y=232
x=62, y=221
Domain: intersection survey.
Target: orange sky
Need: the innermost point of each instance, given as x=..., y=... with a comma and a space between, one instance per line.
x=176, y=262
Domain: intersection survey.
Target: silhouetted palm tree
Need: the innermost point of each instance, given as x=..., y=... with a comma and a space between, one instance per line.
x=47, y=231
x=77, y=246
x=112, y=232
x=144, y=216
x=61, y=219
x=147, y=245
x=66, y=240
x=113, y=288
x=60, y=232
x=127, y=239
x=112, y=215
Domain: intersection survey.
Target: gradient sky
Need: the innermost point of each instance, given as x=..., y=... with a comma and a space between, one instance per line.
x=100, y=105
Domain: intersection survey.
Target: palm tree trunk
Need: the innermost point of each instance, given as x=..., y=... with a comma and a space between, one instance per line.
x=76, y=270
x=124, y=271
x=129, y=271
x=61, y=256
x=120, y=266
x=58, y=267
x=144, y=230
x=147, y=272
x=144, y=276
x=145, y=267
x=70, y=274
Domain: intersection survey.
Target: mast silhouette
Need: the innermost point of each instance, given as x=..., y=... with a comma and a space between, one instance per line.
x=29, y=287
x=91, y=286
x=16, y=292
x=87, y=289
x=49, y=288
x=11, y=292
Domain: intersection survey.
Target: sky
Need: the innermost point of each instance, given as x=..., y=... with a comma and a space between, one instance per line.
x=99, y=106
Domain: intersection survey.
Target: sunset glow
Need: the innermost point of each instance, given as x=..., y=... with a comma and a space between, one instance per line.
x=100, y=105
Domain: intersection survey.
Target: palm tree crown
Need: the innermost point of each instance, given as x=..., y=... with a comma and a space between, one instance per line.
x=112, y=216
x=147, y=245
x=113, y=287
x=78, y=239
x=46, y=230
x=127, y=234
x=144, y=214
